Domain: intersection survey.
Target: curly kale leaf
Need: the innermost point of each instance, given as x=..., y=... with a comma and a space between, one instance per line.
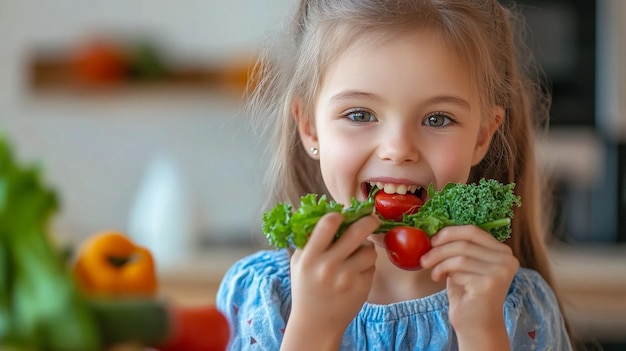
x=488, y=204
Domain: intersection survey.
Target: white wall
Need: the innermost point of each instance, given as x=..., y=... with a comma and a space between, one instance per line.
x=95, y=151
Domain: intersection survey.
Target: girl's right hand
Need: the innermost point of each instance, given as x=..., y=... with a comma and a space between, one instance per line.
x=330, y=281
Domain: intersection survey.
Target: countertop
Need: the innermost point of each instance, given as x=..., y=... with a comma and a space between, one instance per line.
x=591, y=282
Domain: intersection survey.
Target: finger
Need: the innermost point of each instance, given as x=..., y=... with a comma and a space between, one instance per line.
x=462, y=278
x=361, y=264
x=464, y=248
x=324, y=233
x=363, y=259
x=501, y=266
x=475, y=285
x=356, y=235
x=468, y=233
x=459, y=264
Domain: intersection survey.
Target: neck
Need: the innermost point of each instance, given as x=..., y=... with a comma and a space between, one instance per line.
x=392, y=284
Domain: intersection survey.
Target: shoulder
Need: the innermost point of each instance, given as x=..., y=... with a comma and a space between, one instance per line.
x=529, y=286
x=254, y=296
x=264, y=263
x=263, y=273
x=533, y=315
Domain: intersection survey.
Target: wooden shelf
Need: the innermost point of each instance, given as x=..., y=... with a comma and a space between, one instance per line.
x=60, y=74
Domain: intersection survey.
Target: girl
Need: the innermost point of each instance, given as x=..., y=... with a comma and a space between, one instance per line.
x=400, y=94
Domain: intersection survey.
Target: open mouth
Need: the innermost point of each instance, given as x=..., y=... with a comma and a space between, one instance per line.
x=401, y=189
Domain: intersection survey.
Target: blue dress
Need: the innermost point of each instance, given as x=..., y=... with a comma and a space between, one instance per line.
x=255, y=295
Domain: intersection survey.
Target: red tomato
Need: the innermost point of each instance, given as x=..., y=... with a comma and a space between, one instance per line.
x=405, y=246
x=198, y=328
x=392, y=206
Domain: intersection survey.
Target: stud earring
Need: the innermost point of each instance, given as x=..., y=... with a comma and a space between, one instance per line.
x=314, y=150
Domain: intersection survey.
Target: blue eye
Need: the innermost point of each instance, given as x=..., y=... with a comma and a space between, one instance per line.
x=437, y=120
x=360, y=116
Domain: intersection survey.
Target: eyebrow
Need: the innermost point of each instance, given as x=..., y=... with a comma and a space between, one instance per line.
x=449, y=99
x=352, y=95
x=437, y=99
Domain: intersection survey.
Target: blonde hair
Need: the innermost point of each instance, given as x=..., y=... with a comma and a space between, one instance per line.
x=481, y=31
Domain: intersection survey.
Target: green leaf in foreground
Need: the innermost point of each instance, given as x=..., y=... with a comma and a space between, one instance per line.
x=40, y=306
x=487, y=204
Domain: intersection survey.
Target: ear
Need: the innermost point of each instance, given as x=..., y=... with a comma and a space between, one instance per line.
x=306, y=129
x=486, y=134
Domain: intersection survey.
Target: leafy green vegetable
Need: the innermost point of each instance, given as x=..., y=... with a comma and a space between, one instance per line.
x=488, y=204
x=40, y=307
x=283, y=227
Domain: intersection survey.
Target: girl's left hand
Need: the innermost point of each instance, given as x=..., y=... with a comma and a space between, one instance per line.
x=478, y=270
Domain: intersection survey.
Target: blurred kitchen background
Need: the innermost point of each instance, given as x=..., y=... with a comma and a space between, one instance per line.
x=133, y=109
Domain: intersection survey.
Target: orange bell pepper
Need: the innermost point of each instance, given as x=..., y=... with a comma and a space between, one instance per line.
x=110, y=264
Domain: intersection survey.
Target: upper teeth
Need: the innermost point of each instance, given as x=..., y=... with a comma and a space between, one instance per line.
x=395, y=188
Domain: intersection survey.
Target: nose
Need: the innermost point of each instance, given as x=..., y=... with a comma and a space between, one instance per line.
x=399, y=144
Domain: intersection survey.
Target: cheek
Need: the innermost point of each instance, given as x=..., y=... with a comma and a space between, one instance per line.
x=453, y=165
x=339, y=169
x=341, y=159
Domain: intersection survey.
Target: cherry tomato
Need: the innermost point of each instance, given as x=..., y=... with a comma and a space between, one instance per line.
x=393, y=206
x=405, y=246
x=198, y=328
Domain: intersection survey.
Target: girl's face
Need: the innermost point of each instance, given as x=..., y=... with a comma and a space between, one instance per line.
x=402, y=112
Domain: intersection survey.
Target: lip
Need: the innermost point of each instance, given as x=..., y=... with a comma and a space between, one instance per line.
x=393, y=180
